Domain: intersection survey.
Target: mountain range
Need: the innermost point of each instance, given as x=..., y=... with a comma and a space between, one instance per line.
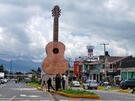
x=19, y=65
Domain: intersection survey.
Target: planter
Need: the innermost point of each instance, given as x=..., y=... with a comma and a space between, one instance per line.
x=77, y=95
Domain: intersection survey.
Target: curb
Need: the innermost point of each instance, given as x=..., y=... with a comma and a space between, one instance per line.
x=39, y=88
x=124, y=91
x=77, y=96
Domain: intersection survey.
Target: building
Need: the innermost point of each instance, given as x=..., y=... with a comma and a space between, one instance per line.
x=116, y=67
x=87, y=68
x=128, y=69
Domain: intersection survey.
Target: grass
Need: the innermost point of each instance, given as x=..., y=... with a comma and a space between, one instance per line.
x=78, y=92
x=111, y=88
x=34, y=84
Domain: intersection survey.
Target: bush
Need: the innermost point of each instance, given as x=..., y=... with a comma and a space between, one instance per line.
x=79, y=92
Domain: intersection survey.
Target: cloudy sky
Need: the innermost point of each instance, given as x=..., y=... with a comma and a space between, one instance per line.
x=26, y=27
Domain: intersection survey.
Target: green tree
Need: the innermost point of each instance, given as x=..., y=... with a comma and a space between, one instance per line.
x=1, y=68
x=36, y=74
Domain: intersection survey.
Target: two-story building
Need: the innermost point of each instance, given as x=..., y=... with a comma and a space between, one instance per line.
x=88, y=68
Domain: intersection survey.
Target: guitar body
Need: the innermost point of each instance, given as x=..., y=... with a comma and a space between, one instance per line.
x=55, y=63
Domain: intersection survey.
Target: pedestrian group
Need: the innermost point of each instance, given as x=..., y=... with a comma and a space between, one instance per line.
x=59, y=83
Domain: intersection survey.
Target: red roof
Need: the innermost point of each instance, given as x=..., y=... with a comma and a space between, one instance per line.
x=114, y=59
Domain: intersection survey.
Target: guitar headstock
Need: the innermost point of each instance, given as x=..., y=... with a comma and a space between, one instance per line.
x=56, y=11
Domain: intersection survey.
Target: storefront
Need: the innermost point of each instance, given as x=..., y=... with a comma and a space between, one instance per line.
x=127, y=73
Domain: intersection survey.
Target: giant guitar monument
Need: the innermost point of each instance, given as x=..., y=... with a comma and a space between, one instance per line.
x=55, y=62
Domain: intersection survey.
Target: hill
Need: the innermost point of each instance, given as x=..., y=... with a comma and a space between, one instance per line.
x=20, y=65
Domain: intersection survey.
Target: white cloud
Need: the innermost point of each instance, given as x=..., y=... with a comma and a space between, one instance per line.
x=26, y=26
x=117, y=49
x=117, y=5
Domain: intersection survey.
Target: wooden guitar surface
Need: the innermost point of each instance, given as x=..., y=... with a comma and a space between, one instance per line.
x=55, y=63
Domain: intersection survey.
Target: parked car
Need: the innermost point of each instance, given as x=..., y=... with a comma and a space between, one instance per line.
x=3, y=80
x=127, y=84
x=75, y=84
x=27, y=80
x=90, y=84
x=105, y=84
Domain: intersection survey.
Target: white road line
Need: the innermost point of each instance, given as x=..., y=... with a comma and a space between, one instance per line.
x=12, y=98
x=23, y=95
x=32, y=89
x=33, y=96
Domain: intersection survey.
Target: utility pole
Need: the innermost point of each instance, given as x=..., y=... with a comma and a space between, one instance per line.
x=11, y=63
x=105, y=59
x=104, y=44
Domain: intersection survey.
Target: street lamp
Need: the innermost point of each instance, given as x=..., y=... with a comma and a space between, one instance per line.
x=11, y=63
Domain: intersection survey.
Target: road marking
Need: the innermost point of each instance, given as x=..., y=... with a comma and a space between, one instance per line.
x=12, y=98
x=23, y=95
x=33, y=96
x=45, y=100
x=24, y=89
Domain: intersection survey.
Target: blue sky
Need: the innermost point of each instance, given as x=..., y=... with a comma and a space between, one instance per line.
x=26, y=27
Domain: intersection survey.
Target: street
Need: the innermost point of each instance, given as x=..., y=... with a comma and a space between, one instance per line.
x=112, y=95
x=106, y=95
x=12, y=91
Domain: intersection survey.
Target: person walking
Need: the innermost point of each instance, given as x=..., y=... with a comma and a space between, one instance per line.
x=58, y=82
x=63, y=81
x=49, y=82
x=44, y=86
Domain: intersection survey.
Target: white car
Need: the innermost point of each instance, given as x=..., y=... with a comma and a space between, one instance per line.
x=4, y=80
x=75, y=84
x=90, y=84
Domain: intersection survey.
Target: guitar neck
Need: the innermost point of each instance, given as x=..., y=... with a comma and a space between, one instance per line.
x=55, y=29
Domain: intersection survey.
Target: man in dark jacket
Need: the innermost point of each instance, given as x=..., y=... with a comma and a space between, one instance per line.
x=63, y=80
x=58, y=82
x=49, y=82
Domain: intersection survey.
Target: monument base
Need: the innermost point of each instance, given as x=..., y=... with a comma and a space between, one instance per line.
x=45, y=77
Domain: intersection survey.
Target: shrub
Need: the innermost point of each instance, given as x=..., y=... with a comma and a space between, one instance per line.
x=79, y=92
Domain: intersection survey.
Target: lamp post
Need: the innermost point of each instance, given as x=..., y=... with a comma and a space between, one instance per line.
x=11, y=63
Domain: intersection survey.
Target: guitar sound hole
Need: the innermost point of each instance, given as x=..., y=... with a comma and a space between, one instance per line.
x=55, y=50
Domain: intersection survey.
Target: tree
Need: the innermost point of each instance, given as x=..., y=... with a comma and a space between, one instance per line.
x=36, y=74
x=1, y=68
x=38, y=70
